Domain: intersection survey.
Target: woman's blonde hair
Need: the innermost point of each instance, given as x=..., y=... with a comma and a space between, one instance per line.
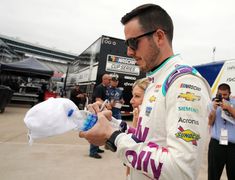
x=142, y=83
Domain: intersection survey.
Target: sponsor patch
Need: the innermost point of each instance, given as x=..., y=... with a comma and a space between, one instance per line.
x=157, y=87
x=148, y=111
x=190, y=86
x=151, y=79
x=188, y=135
x=188, y=121
x=152, y=99
x=187, y=108
x=188, y=96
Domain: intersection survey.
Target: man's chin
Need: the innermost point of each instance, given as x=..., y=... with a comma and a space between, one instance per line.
x=143, y=69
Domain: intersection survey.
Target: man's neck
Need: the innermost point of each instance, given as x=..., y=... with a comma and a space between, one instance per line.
x=156, y=67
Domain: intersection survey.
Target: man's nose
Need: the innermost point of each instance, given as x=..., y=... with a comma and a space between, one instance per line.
x=130, y=52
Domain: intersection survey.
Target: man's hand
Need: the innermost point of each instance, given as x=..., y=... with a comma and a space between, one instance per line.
x=216, y=104
x=225, y=105
x=102, y=130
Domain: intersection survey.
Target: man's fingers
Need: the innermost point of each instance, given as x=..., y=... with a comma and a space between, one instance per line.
x=94, y=108
x=90, y=108
x=82, y=134
x=107, y=114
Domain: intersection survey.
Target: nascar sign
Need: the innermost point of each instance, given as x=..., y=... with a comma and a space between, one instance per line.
x=121, y=64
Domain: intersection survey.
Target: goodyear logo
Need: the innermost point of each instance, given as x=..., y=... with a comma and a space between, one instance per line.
x=188, y=135
x=188, y=96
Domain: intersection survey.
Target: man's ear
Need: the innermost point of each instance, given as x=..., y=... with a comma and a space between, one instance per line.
x=159, y=36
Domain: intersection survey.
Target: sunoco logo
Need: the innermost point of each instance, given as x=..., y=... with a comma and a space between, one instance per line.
x=188, y=135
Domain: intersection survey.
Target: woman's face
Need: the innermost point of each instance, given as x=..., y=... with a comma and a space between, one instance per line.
x=137, y=96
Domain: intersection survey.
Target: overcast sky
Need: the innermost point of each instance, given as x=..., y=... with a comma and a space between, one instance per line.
x=72, y=25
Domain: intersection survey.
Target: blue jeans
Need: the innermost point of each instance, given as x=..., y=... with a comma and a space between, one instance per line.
x=93, y=149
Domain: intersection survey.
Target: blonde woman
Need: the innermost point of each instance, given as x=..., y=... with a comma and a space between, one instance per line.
x=138, y=90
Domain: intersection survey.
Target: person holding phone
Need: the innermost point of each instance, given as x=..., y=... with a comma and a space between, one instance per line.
x=222, y=143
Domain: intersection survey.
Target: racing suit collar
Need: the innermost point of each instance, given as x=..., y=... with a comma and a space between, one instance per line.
x=157, y=68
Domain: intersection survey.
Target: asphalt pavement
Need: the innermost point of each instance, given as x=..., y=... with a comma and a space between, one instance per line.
x=62, y=157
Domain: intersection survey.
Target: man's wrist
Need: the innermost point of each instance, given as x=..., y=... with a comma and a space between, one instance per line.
x=110, y=143
x=109, y=133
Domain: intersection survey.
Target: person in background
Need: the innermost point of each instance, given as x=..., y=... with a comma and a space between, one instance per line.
x=78, y=97
x=100, y=94
x=138, y=90
x=41, y=93
x=222, y=144
x=171, y=133
x=115, y=97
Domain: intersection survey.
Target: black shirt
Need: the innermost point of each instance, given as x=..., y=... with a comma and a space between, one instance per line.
x=100, y=91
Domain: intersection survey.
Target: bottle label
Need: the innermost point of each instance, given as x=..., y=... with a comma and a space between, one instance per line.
x=89, y=122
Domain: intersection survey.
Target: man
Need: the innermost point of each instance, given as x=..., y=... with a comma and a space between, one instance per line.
x=115, y=98
x=170, y=137
x=100, y=94
x=78, y=97
x=222, y=144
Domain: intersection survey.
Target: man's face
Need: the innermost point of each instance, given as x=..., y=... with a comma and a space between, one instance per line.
x=147, y=55
x=225, y=94
x=106, y=80
x=114, y=83
x=77, y=87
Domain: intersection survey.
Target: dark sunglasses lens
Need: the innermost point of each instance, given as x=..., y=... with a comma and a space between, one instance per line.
x=132, y=43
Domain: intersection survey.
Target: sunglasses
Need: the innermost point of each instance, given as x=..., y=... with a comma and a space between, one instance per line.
x=133, y=42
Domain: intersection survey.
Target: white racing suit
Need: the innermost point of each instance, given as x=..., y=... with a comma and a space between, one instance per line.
x=171, y=134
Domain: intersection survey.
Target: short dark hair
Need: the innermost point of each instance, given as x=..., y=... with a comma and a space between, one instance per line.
x=224, y=87
x=114, y=78
x=151, y=17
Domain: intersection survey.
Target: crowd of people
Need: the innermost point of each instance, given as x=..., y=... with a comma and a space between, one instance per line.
x=169, y=132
